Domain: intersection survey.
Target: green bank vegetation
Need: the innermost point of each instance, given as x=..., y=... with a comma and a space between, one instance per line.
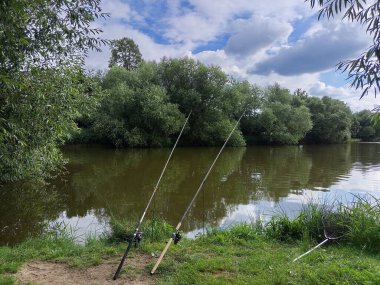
x=254, y=253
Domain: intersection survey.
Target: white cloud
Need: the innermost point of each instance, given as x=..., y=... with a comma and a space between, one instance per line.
x=254, y=34
x=192, y=28
x=318, y=51
x=118, y=9
x=350, y=96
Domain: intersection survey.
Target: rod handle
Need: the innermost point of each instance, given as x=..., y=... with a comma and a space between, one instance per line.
x=123, y=260
x=161, y=256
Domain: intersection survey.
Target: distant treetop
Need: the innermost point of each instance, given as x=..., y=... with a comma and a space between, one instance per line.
x=125, y=52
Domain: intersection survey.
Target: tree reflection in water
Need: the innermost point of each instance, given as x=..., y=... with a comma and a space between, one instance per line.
x=103, y=182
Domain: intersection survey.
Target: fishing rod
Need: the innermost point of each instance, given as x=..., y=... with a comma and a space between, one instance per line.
x=137, y=235
x=176, y=236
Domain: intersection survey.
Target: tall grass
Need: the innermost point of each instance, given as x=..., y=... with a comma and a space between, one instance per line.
x=358, y=223
x=153, y=230
x=364, y=227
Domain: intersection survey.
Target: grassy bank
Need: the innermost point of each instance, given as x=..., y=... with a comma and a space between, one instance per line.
x=244, y=254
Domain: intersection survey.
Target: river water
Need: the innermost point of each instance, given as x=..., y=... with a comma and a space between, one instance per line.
x=245, y=184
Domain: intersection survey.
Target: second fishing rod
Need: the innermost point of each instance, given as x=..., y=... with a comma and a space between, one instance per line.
x=176, y=236
x=137, y=235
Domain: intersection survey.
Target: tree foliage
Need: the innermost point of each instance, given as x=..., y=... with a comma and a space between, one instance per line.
x=364, y=70
x=136, y=112
x=206, y=90
x=37, y=120
x=282, y=118
x=125, y=52
x=42, y=89
x=365, y=130
x=146, y=107
x=331, y=118
x=46, y=33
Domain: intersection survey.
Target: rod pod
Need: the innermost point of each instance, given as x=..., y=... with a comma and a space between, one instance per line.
x=174, y=235
x=136, y=235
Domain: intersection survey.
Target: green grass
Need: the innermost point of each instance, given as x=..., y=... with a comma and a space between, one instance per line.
x=241, y=256
x=244, y=254
x=53, y=246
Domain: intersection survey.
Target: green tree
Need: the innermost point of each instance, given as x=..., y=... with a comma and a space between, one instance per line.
x=331, y=118
x=46, y=33
x=253, y=96
x=366, y=130
x=136, y=112
x=125, y=53
x=42, y=91
x=38, y=117
x=284, y=118
x=205, y=90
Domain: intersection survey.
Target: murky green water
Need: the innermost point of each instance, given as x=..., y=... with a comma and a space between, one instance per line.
x=245, y=183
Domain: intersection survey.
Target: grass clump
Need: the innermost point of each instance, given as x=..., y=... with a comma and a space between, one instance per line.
x=364, y=226
x=356, y=224
x=153, y=230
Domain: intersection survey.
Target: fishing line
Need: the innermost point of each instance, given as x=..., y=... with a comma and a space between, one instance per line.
x=153, y=217
x=203, y=192
x=137, y=235
x=176, y=236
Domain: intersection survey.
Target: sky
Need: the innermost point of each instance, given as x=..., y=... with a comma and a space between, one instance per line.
x=264, y=42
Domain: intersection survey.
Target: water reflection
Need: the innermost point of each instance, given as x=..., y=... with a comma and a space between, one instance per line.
x=25, y=209
x=245, y=183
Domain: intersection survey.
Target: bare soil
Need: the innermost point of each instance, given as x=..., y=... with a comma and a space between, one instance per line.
x=59, y=273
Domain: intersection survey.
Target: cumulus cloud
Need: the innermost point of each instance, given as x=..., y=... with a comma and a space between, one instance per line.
x=350, y=96
x=118, y=9
x=317, y=52
x=192, y=27
x=282, y=10
x=252, y=35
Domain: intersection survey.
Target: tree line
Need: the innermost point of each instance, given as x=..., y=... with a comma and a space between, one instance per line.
x=146, y=106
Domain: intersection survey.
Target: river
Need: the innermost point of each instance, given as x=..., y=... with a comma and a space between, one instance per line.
x=246, y=184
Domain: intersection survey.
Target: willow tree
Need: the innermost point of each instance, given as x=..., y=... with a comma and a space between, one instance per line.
x=206, y=90
x=42, y=85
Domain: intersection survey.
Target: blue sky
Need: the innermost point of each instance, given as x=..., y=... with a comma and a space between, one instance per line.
x=263, y=42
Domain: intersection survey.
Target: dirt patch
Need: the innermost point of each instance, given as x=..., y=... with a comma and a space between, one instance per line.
x=51, y=272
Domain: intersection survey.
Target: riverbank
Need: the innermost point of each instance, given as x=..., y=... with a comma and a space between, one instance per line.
x=236, y=256
x=244, y=254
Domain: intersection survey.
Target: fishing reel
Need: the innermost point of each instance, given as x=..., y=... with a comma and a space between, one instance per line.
x=138, y=238
x=177, y=237
x=135, y=240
